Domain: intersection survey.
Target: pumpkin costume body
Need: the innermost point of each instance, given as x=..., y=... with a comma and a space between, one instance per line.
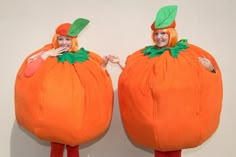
x=63, y=102
x=169, y=100
x=170, y=103
x=63, y=94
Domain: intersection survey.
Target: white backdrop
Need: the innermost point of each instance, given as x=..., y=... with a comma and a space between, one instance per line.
x=119, y=27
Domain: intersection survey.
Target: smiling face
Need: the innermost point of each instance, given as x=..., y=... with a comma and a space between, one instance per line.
x=64, y=41
x=161, y=38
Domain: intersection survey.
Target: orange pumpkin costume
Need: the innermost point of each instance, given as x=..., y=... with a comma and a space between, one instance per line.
x=69, y=103
x=168, y=100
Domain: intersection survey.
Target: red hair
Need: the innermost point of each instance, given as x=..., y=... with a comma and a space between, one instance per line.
x=172, y=33
x=74, y=43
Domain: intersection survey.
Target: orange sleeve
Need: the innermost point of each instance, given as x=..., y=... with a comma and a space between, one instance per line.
x=33, y=66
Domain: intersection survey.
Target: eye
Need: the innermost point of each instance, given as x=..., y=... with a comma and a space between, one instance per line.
x=156, y=33
x=59, y=39
x=162, y=33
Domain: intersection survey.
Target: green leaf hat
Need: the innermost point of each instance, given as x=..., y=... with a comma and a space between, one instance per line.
x=165, y=17
x=72, y=30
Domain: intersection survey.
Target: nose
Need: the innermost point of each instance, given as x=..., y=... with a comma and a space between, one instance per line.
x=157, y=34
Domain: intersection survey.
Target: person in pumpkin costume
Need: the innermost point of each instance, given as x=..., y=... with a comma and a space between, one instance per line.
x=64, y=94
x=170, y=93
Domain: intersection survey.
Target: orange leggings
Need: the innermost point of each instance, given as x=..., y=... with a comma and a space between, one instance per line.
x=176, y=153
x=57, y=150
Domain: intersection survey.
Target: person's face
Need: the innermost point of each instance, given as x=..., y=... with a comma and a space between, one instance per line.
x=64, y=41
x=161, y=38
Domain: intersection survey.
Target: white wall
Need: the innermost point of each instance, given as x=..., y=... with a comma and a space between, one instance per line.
x=118, y=27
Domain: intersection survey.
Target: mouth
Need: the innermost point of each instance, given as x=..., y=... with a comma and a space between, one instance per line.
x=161, y=41
x=64, y=46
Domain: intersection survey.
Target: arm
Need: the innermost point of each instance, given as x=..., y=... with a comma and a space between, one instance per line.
x=207, y=64
x=33, y=66
x=35, y=61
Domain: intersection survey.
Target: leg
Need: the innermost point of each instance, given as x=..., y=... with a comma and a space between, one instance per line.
x=160, y=154
x=176, y=153
x=57, y=149
x=72, y=151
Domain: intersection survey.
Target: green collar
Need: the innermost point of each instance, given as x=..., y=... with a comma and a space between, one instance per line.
x=79, y=56
x=153, y=51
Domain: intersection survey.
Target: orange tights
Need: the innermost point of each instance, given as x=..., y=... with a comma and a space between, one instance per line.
x=176, y=153
x=57, y=150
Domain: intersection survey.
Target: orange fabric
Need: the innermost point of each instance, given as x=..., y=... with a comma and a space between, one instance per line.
x=170, y=103
x=64, y=103
x=63, y=29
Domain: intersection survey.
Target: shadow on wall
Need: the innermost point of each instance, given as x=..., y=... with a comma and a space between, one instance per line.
x=24, y=144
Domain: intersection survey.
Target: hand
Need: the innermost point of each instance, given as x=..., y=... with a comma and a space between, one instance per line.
x=206, y=63
x=54, y=52
x=111, y=58
x=114, y=59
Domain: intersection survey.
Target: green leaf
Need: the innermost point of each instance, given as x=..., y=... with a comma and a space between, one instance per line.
x=79, y=56
x=153, y=51
x=77, y=26
x=165, y=16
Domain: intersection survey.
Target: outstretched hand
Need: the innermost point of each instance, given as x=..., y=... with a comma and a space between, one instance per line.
x=114, y=59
